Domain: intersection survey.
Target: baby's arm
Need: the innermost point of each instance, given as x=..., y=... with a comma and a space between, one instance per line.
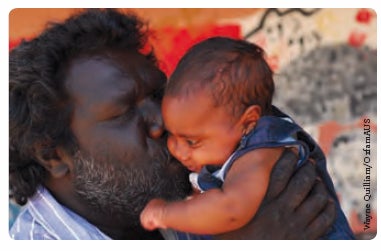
x=218, y=210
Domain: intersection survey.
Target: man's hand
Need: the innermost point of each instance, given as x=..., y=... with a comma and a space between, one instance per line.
x=296, y=205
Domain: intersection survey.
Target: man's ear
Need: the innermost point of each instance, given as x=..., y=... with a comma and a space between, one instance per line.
x=249, y=118
x=54, y=161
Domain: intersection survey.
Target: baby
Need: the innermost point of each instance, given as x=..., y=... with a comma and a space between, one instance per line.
x=222, y=126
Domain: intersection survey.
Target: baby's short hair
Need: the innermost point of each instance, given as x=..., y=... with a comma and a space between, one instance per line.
x=233, y=71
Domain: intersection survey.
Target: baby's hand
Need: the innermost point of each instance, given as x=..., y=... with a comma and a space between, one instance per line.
x=152, y=215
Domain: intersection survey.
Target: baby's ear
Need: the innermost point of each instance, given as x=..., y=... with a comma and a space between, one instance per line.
x=250, y=117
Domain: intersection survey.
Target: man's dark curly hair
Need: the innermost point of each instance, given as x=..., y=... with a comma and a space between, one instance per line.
x=39, y=107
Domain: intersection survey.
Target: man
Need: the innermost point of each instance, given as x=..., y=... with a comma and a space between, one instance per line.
x=88, y=150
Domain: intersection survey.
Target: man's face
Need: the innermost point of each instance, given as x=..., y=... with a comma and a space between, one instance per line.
x=122, y=161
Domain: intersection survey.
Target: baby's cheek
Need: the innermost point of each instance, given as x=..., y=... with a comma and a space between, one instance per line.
x=171, y=144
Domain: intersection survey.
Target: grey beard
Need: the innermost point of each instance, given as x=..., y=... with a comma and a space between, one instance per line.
x=122, y=190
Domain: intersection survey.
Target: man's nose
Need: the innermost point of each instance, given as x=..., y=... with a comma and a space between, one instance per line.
x=156, y=129
x=152, y=117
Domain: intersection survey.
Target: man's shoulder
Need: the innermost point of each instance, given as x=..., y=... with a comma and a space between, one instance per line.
x=45, y=218
x=27, y=227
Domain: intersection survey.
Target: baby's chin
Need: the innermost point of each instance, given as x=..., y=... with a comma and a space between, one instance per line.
x=194, y=169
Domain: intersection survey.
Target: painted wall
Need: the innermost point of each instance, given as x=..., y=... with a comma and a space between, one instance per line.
x=325, y=71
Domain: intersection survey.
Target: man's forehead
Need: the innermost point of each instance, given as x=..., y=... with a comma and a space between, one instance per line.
x=98, y=75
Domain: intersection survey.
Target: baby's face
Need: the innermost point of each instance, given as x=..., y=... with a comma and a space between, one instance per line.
x=199, y=132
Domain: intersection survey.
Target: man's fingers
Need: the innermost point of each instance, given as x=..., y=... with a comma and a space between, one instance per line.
x=281, y=173
x=312, y=205
x=322, y=223
x=299, y=186
x=316, y=201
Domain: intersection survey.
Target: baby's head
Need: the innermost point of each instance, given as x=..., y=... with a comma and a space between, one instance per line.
x=220, y=81
x=234, y=72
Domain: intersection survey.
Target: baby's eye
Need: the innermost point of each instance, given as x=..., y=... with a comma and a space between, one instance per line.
x=192, y=142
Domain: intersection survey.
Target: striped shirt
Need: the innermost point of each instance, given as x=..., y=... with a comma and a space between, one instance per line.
x=43, y=218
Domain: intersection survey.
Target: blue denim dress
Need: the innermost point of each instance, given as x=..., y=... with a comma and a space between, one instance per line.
x=275, y=131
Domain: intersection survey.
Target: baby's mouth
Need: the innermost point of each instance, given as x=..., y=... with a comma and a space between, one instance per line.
x=193, y=168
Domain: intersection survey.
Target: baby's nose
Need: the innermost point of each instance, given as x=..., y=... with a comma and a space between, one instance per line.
x=182, y=153
x=176, y=149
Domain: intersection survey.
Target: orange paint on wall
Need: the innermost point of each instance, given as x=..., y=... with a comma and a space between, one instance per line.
x=171, y=43
x=358, y=226
x=328, y=131
x=26, y=23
